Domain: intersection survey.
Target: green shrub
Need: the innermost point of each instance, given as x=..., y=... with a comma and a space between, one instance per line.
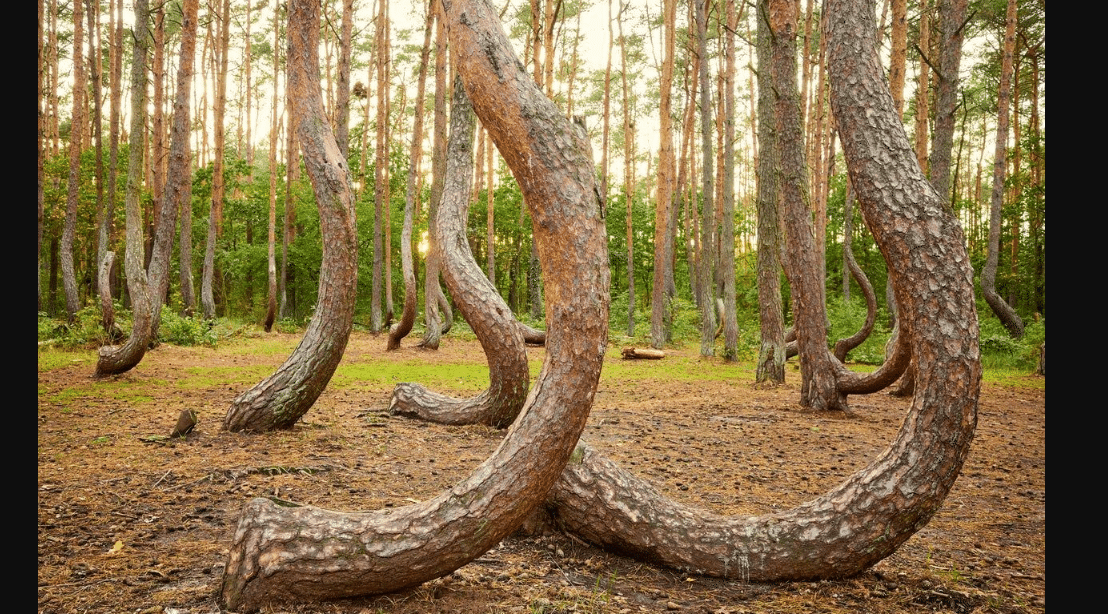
x=86, y=331
x=186, y=331
x=1000, y=351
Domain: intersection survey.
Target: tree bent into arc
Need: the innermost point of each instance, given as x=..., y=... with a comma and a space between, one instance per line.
x=306, y=553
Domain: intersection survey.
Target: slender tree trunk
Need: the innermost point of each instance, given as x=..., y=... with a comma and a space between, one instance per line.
x=432, y=292
x=292, y=177
x=771, y=355
x=278, y=401
x=923, y=84
x=899, y=43
x=381, y=170
x=661, y=298
x=106, y=224
x=69, y=275
x=490, y=222
x=92, y=12
x=628, y=174
x=1000, y=307
x=818, y=387
x=215, y=217
x=41, y=150
x=443, y=533
x=271, y=238
x=411, y=197
x=117, y=359
x=156, y=140
x=727, y=247
x=952, y=15
x=178, y=189
x=707, y=218
x=342, y=103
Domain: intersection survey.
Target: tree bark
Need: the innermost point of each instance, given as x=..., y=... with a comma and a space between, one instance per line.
x=117, y=359
x=771, y=355
x=628, y=172
x=805, y=271
x=1000, y=307
x=278, y=401
x=215, y=217
x=93, y=17
x=952, y=15
x=483, y=308
x=272, y=559
x=177, y=191
x=727, y=247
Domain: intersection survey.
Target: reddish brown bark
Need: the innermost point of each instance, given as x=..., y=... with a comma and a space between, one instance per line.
x=282, y=553
x=282, y=398
x=483, y=308
x=874, y=511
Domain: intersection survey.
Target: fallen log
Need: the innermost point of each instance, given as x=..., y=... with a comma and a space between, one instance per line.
x=647, y=353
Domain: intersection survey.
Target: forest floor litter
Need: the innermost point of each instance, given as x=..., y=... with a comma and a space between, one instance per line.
x=131, y=521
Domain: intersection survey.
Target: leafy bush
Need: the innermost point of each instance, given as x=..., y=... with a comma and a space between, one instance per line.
x=1000, y=350
x=85, y=332
x=288, y=325
x=186, y=331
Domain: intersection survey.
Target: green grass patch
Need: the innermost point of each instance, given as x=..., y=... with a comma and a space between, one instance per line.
x=133, y=393
x=212, y=377
x=459, y=377
x=52, y=358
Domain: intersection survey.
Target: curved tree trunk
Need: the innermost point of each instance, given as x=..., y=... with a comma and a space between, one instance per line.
x=407, y=264
x=1000, y=307
x=874, y=511
x=282, y=398
x=282, y=553
x=843, y=346
x=107, y=307
x=432, y=291
x=482, y=306
x=117, y=359
x=178, y=190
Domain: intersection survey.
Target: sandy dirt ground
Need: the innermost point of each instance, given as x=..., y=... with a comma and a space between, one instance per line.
x=131, y=522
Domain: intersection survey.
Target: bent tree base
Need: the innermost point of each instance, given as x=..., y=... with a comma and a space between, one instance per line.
x=306, y=553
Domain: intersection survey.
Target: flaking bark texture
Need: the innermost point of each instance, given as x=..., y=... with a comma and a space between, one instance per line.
x=805, y=266
x=483, y=308
x=282, y=553
x=875, y=510
x=771, y=354
x=282, y=398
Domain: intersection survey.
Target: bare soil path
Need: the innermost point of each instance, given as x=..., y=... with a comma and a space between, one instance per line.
x=128, y=522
